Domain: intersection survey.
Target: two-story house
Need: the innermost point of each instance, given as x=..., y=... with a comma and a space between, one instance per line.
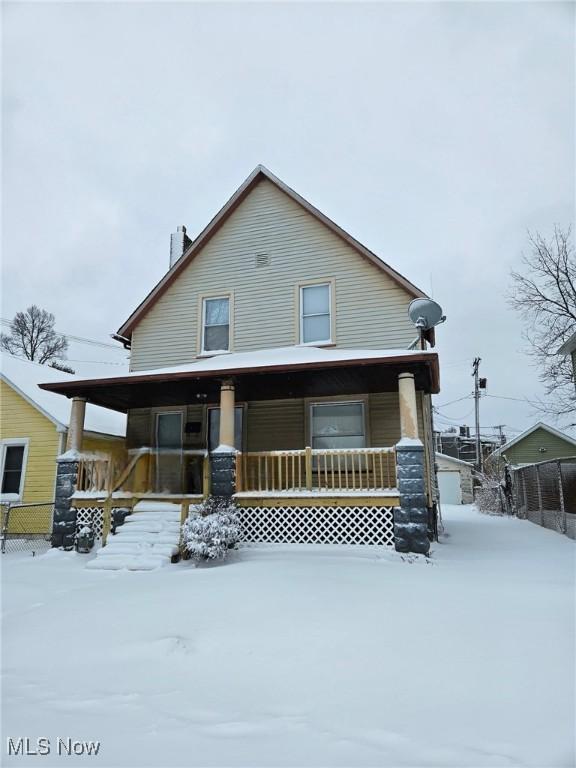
x=276, y=362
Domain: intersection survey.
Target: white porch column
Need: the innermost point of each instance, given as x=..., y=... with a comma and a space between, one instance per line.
x=76, y=426
x=227, y=413
x=408, y=410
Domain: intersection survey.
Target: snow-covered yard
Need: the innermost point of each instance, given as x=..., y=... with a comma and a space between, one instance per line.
x=302, y=656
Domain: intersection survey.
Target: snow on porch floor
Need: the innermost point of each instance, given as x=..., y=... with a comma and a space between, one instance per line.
x=302, y=656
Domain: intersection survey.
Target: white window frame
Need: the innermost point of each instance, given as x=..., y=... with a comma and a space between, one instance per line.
x=6, y=443
x=317, y=403
x=331, y=290
x=203, y=304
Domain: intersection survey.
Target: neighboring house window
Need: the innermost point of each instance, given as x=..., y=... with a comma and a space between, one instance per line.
x=316, y=313
x=337, y=425
x=13, y=465
x=216, y=324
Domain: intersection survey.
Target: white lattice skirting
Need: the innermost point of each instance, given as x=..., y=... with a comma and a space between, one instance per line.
x=318, y=525
x=92, y=517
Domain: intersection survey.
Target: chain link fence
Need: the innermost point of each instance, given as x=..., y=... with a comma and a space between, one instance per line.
x=545, y=494
x=26, y=527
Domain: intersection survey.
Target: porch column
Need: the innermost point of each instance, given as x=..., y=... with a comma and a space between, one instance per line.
x=227, y=414
x=223, y=459
x=64, y=520
x=411, y=517
x=408, y=411
x=76, y=426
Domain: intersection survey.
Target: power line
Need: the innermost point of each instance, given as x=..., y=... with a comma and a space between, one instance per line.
x=444, y=405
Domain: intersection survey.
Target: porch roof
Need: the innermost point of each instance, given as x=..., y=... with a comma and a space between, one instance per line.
x=299, y=371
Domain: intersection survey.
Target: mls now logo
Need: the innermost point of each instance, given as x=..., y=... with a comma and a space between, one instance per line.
x=24, y=746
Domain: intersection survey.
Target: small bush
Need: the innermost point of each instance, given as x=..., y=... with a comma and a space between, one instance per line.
x=211, y=529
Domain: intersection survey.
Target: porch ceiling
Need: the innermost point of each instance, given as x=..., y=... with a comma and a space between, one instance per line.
x=311, y=379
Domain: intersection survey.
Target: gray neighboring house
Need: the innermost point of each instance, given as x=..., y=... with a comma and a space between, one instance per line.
x=569, y=348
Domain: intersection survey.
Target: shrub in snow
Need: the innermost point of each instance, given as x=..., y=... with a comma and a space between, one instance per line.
x=211, y=529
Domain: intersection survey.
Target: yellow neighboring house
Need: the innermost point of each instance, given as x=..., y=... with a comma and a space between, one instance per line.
x=33, y=429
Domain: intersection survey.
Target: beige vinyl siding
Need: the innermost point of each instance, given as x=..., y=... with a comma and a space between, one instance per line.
x=282, y=424
x=275, y=425
x=370, y=306
x=527, y=450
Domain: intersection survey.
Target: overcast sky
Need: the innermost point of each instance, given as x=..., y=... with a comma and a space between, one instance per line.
x=437, y=134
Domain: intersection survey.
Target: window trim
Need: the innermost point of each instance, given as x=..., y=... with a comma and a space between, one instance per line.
x=331, y=283
x=203, y=298
x=6, y=443
x=351, y=400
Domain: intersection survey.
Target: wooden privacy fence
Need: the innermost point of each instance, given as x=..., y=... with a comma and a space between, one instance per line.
x=314, y=469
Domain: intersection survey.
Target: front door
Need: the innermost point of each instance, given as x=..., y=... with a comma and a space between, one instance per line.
x=169, y=452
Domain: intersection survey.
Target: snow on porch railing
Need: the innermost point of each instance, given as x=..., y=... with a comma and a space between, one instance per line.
x=96, y=473
x=318, y=469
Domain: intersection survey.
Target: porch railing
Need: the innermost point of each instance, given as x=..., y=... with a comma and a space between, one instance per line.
x=318, y=469
x=148, y=471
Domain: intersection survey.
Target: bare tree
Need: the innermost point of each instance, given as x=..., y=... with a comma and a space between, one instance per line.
x=544, y=293
x=32, y=335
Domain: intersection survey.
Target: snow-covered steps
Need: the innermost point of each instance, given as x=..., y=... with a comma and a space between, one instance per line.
x=147, y=540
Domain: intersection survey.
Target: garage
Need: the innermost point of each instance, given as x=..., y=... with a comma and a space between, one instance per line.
x=449, y=486
x=454, y=480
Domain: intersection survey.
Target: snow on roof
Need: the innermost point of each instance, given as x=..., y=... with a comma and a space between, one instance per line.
x=538, y=425
x=279, y=356
x=454, y=460
x=24, y=376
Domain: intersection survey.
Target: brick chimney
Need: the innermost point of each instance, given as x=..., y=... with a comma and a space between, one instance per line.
x=179, y=242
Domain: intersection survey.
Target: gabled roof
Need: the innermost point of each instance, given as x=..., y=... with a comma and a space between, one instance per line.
x=257, y=175
x=24, y=376
x=568, y=346
x=538, y=425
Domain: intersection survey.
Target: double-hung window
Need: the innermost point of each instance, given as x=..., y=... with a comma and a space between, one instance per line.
x=13, y=463
x=316, y=313
x=338, y=425
x=216, y=324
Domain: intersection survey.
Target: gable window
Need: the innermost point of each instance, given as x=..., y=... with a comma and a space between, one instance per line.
x=13, y=462
x=316, y=313
x=216, y=324
x=337, y=425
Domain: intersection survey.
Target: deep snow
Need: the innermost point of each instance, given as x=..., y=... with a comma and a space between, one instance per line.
x=302, y=656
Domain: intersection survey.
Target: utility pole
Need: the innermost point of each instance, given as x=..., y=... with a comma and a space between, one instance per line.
x=479, y=457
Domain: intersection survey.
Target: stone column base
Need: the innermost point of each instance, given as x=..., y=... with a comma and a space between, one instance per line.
x=64, y=522
x=222, y=474
x=411, y=518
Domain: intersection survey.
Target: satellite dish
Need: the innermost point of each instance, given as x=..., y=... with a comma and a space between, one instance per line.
x=425, y=313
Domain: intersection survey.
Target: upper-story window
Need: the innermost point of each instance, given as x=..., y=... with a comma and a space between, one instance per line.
x=316, y=313
x=216, y=324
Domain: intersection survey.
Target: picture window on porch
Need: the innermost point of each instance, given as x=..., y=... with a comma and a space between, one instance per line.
x=216, y=324
x=13, y=461
x=316, y=313
x=338, y=425
x=214, y=427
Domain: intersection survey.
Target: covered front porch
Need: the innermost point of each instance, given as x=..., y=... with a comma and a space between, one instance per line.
x=294, y=429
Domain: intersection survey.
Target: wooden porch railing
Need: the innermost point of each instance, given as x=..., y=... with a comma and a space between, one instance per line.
x=186, y=472
x=96, y=473
x=354, y=469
